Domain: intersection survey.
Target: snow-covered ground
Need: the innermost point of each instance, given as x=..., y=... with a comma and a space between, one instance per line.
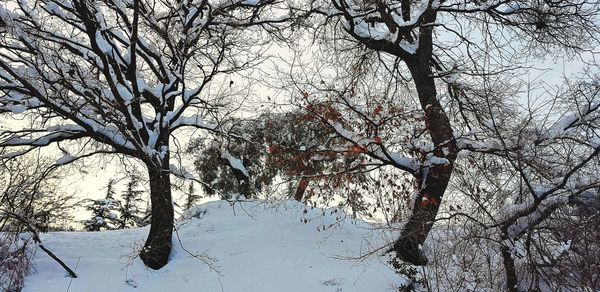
x=258, y=247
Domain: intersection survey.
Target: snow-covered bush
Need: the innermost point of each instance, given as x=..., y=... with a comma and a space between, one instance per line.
x=15, y=260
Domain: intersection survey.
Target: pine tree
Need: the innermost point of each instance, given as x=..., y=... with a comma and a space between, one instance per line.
x=131, y=213
x=191, y=198
x=103, y=211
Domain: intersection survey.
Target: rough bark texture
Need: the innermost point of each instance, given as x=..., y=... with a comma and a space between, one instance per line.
x=432, y=180
x=419, y=225
x=157, y=248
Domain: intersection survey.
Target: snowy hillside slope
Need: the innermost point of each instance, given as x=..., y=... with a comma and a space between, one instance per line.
x=258, y=247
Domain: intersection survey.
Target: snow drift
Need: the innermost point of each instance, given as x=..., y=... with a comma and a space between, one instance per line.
x=250, y=246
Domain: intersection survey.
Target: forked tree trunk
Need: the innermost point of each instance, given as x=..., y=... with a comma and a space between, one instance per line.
x=432, y=180
x=157, y=248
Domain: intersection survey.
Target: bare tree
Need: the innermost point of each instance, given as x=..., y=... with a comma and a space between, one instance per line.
x=405, y=76
x=121, y=77
x=549, y=189
x=30, y=203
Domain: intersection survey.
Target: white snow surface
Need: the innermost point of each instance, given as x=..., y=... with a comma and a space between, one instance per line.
x=259, y=246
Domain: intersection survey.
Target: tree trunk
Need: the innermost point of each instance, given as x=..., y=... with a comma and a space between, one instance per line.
x=299, y=193
x=509, y=268
x=509, y=263
x=425, y=209
x=432, y=180
x=157, y=248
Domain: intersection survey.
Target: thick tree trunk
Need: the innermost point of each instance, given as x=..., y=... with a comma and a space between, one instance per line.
x=432, y=180
x=425, y=208
x=157, y=248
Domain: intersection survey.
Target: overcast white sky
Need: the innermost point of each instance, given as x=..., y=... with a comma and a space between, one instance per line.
x=89, y=178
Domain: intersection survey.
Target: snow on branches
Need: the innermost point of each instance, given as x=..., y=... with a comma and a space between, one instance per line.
x=125, y=74
x=121, y=76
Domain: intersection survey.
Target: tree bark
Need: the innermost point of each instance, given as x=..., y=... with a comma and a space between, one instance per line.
x=509, y=263
x=425, y=208
x=157, y=248
x=432, y=180
x=299, y=193
x=509, y=268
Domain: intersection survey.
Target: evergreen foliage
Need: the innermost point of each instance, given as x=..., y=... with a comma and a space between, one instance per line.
x=104, y=216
